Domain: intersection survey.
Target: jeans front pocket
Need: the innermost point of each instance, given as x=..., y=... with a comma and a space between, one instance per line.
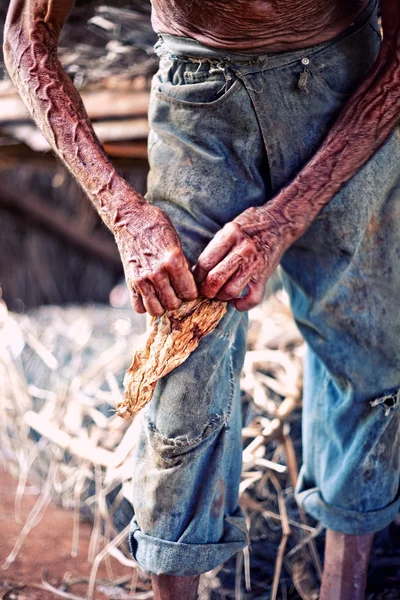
x=194, y=84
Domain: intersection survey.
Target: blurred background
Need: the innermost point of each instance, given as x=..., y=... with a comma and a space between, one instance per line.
x=67, y=335
x=53, y=247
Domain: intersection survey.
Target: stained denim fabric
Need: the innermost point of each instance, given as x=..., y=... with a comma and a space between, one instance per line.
x=227, y=132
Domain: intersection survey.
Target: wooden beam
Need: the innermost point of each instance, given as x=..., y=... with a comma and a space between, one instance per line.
x=107, y=131
x=100, y=104
x=135, y=149
x=30, y=206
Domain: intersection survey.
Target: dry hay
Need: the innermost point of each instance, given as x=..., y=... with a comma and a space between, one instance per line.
x=61, y=371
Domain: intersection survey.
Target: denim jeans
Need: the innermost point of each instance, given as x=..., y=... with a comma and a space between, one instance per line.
x=228, y=131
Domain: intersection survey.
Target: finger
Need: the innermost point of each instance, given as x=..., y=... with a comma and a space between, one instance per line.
x=219, y=276
x=235, y=286
x=245, y=259
x=149, y=298
x=137, y=303
x=182, y=281
x=222, y=243
x=254, y=296
x=165, y=292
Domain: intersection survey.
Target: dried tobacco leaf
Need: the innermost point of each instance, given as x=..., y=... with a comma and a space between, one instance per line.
x=171, y=340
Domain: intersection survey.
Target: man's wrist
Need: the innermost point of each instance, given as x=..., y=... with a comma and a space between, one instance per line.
x=270, y=225
x=288, y=224
x=118, y=203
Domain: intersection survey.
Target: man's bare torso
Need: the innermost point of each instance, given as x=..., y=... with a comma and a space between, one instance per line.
x=256, y=25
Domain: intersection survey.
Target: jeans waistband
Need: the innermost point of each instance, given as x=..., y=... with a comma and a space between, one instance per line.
x=182, y=47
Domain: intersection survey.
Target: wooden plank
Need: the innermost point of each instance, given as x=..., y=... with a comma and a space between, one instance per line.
x=58, y=224
x=128, y=129
x=101, y=104
x=107, y=131
x=136, y=149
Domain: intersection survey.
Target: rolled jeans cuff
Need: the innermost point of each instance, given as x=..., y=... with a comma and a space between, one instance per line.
x=347, y=521
x=162, y=557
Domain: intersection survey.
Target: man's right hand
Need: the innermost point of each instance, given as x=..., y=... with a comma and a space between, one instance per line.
x=156, y=270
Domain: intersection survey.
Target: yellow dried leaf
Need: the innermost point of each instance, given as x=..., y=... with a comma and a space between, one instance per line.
x=171, y=340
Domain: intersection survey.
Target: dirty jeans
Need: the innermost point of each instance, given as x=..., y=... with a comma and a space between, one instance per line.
x=227, y=132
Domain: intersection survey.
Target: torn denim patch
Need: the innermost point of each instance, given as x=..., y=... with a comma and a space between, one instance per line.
x=388, y=401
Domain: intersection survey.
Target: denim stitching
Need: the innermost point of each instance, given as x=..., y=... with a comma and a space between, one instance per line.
x=258, y=116
x=214, y=61
x=223, y=335
x=201, y=105
x=323, y=83
x=185, y=443
x=232, y=394
x=316, y=433
x=376, y=31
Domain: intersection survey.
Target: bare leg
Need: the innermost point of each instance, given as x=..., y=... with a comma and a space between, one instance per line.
x=346, y=565
x=166, y=587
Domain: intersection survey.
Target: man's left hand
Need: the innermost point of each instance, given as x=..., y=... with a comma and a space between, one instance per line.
x=241, y=256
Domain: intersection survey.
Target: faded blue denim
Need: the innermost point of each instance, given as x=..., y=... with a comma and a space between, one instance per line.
x=227, y=132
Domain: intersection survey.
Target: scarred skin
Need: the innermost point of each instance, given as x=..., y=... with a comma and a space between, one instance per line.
x=246, y=251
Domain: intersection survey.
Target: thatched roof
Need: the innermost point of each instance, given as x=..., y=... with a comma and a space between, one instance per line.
x=45, y=258
x=101, y=41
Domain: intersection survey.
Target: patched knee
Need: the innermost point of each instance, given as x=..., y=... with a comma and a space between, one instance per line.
x=171, y=451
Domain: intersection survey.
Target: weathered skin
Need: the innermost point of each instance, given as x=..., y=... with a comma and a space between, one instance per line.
x=183, y=587
x=256, y=25
x=341, y=553
x=244, y=252
x=156, y=270
x=247, y=250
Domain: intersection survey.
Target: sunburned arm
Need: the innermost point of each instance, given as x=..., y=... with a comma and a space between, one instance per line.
x=157, y=273
x=30, y=52
x=258, y=238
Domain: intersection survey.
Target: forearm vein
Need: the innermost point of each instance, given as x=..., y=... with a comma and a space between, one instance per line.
x=57, y=108
x=365, y=123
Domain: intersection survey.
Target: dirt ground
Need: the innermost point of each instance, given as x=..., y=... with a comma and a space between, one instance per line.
x=47, y=550
x=48, y=547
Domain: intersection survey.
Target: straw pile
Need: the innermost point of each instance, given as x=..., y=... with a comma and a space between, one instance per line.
x=61, y=371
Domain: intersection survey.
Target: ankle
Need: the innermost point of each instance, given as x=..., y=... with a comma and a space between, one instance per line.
x=345, y=566
x=168, y=587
